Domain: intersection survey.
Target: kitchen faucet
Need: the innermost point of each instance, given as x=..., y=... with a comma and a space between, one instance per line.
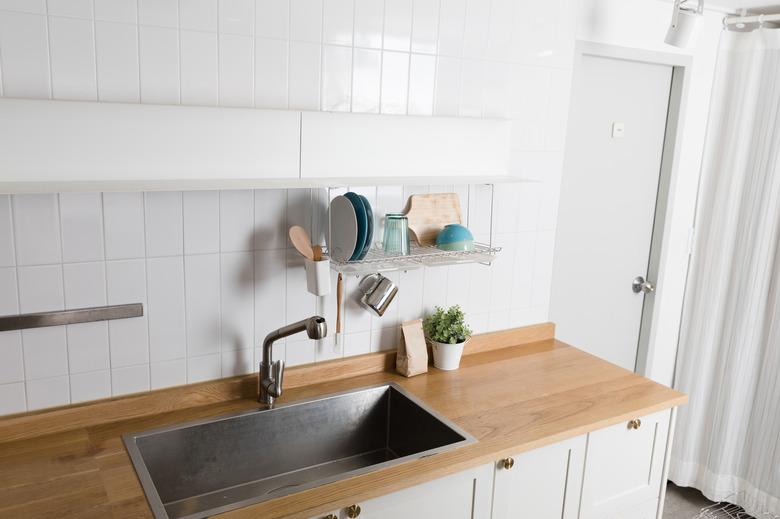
x=271, y=374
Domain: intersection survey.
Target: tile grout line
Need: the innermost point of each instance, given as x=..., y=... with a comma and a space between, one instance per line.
x=95, y=50
x=18, y=295
x=64, y=297
x=105, y=277
x=48, y=50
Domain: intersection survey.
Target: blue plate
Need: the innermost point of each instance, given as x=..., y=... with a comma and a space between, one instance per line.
x=370, y=233
x=362, y=221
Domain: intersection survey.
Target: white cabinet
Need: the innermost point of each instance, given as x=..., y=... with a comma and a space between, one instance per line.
x=624, y=467
x=540, y=484
x=465, y=495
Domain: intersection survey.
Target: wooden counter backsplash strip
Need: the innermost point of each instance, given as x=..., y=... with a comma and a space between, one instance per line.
x=40, y=423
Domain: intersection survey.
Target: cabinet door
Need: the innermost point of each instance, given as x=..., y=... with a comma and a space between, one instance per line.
x=465, y=495
x=624, y=466
x=541, y=484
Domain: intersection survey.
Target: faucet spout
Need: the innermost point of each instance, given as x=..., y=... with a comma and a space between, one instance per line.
x=271, y=374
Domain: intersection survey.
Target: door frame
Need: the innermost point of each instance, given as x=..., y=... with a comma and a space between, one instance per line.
x=654, y=360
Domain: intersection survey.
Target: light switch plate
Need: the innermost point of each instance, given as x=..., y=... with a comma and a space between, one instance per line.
x=618, y=129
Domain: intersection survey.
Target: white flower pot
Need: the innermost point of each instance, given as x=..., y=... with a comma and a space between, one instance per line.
x=447, y=356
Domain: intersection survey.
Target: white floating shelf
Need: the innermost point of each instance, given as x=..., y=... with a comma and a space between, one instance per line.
x=378, y=261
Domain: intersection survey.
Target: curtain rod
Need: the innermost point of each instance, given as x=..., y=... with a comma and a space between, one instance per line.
x=758, y=18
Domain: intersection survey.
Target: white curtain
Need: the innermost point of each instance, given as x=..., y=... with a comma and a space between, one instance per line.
x=727, y=442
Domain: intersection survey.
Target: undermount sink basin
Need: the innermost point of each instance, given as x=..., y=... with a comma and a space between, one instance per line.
x=211, y=466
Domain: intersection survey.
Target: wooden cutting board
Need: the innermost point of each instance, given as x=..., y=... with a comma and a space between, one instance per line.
x=428, y=214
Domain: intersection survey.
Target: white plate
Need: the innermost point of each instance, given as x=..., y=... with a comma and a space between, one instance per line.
x=342, y=237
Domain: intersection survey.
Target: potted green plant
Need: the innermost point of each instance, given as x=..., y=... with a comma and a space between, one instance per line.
x=448, y=332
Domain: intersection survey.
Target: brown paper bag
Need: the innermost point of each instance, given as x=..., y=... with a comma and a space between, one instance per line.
x=412, y=356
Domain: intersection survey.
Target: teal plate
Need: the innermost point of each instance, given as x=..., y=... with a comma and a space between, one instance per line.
x=370, y=233
x=362, y=221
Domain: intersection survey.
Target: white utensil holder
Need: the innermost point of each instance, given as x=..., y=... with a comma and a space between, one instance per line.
x=318, y=277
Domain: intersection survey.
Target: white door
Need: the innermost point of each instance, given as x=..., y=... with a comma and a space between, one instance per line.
x=607, y=204
x=543, y=483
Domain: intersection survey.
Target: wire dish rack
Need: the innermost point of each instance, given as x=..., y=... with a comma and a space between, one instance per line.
x=727, y=510
x=377, y=260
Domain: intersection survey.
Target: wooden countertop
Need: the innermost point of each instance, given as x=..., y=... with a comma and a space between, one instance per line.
x=71, y=462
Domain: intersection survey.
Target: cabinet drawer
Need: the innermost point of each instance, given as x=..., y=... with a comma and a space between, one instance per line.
x=624, y=467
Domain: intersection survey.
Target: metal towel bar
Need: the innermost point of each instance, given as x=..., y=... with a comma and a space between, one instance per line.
x=78, y=315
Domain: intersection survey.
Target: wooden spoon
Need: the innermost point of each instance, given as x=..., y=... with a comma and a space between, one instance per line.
x=301, y=241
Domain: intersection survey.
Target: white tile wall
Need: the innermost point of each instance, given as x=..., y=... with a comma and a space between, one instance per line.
x=213, y=268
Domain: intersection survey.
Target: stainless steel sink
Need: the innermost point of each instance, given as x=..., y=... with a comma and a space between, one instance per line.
x=206, y=467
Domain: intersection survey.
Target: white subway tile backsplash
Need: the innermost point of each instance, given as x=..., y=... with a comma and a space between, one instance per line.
x=40, y=289
x=202, y=289
x=237, y=300
x=168, y=373
x=270, y=228
x=434, y=289
x=82, y=227
x=163, y=216
x=271, y=58
x=85, y=284
x=366, y=80
x=410, y=295
x=306, y=20
x=395, y=81
x=25, y=55
x=201, y=221
x=384, y=339
x=272, y=19
x=73, y=74
x=496, y=91
x=126, y=283
x=124, y=225
x=452, y=16
x=9, y=295
x=425, y=26
x=499, y=41
x=130, y=379
x=116, y=47
x=12, y=367
x=237, y=362
x=7, y=252
x=369, y=23
x=90, y=386
x=237, y=17
x=270, y=291
x=422, y=81
x=206, y=367
x=36, y=229
x=70, y=8
x=49, y=392
x=336, y=78
x=398, y=25
x=12, y=398
x=300, y=304
x=199, y=68
x=167, y=335
x=160, y=13
x=300, y=351
x=88, y=348
x=543, y=268
x=475, y=29
x=198, y=15
x=304, y=76
x=357, y=343
x=447, y=95
x=236, y=220
x=45, y=352
x=24, y=6
x=159, y=59
x=337, y=22
x=236, y=70
x=117, y=10
x=472, y=87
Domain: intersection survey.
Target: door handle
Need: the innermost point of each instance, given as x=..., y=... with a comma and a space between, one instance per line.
x=640, y=285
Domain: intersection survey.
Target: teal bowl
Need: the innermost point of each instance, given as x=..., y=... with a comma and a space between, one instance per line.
x=455, y=237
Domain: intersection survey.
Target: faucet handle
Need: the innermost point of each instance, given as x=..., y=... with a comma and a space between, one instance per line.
x=277, y=373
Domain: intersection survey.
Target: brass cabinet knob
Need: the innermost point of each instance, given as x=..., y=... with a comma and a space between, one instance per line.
x=353, y=511
x=507, y=463
x=636, y=423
